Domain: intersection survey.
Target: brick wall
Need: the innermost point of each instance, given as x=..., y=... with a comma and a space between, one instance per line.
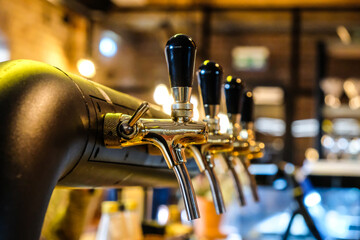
x=38, y=30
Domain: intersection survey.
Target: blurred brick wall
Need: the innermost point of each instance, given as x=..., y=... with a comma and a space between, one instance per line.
x=38, y=30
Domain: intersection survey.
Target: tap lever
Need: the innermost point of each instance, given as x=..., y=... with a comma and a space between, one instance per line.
x=180, y=53
x=247, y=107
x=233, y=93
x=126, y=128
x=142, y=109
x=209, y=78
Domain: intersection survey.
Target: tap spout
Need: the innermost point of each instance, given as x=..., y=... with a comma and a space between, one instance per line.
x=187, y=191
x=253, y=185
x=206, y=165
x=215, y=189
x=170, y=137
x=236, y=179
x=176, y=156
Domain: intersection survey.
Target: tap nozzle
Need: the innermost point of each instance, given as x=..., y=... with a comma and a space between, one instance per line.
x=205, y=163
x=230, y=162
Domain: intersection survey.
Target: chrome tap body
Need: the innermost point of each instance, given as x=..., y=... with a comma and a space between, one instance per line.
x=173, y=135
x=209, y=77
x=169, y=136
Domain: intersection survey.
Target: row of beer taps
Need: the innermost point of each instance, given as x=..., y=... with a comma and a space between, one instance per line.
x=180, y=136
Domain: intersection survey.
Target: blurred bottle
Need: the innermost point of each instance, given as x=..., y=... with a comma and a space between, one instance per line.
x=132, y=221
x=112, y=224
x=174, y=226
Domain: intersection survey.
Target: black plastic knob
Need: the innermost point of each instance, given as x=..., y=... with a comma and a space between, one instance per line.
x=233, y=94
x=247, y=107
x=180, y=53
x=209, y=78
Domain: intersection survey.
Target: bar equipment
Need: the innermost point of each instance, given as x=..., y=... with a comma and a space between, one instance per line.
x=171, y=136
x=233, y=94
x=55, y=130
x=209, y=78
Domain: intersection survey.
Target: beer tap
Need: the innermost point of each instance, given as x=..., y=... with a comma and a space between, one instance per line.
x=173, y=135
x=209, y=78
x=233, y=93
x=256, y=149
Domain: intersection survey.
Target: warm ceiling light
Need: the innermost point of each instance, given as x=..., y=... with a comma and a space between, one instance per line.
x=344, y=35
x=161, y=94
x=312, y=154
x=86, y=68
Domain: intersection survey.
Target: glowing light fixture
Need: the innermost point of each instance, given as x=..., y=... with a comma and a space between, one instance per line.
x=161, y=94
x=109, y=44
x=342, y=143
x=305, y=128
x=354, y=146
x=86, y=68
x=196, y=113
x=344, y=35
x=280, y=184
x=263, y=169
x=354, y=103
x=312, y=154
x=183, y=217
x=264, y=95
x=4, y=54
x=163, y=98
x=163, y=214
x=244, y=134
x=270, y=126
x=289, y=168
x=224, y=122
x=312, y=199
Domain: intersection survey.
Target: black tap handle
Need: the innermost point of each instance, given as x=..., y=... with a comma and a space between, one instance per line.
x=209, y=78
x=247, y=107
x=180, y=53
x=233, y=94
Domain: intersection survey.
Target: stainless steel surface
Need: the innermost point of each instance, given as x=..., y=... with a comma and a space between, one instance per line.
x=245, y=148
x=253, y=186
x=167, y=135
x=205, y=164
x=216, y=143
x=138, y=113
x=163, y=133
x=234, y=124
x=215, y=187
x=198, y=157
x=171, y=136
x=236, y=179
x=213, y=124
x=181, y=94
x=127, y=128
x=213, y=110
x=187, y=191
